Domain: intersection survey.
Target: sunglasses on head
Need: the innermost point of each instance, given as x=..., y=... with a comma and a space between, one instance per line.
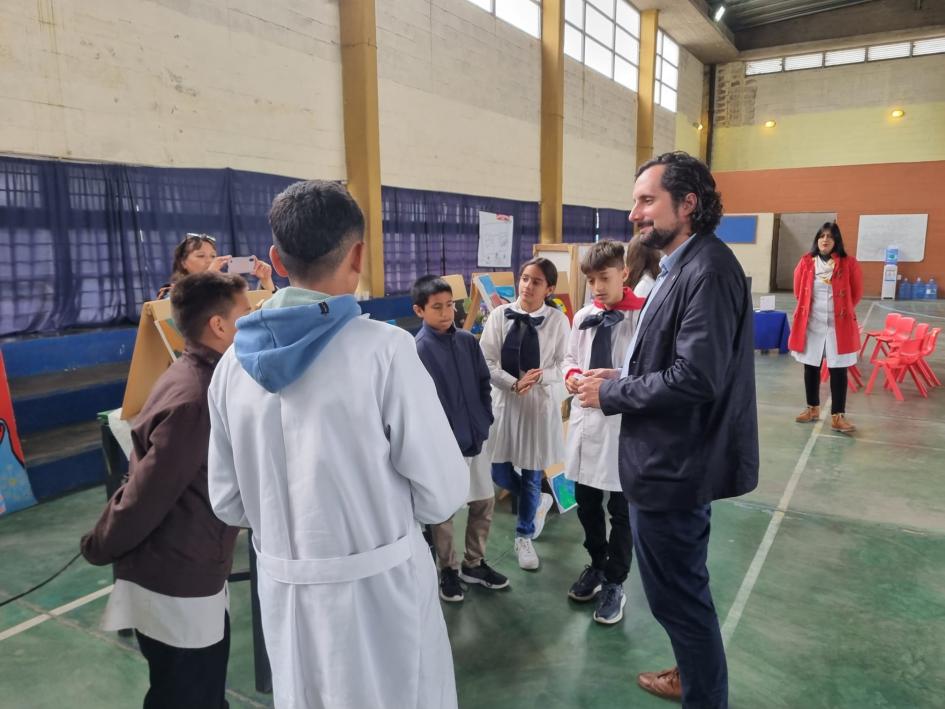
x=200, y=237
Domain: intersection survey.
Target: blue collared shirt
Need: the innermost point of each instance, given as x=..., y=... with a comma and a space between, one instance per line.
x=666, y=265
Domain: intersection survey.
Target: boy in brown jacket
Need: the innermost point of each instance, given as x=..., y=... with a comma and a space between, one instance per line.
x=172, y=556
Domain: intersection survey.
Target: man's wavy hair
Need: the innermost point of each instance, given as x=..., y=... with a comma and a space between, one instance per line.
x=685, y=174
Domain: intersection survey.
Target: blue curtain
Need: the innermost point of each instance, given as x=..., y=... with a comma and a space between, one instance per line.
x=438, y=232
x=86, y=244
x=578, y=224
x=614, y=224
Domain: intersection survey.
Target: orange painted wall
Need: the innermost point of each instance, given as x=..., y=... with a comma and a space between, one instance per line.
x=852, y=190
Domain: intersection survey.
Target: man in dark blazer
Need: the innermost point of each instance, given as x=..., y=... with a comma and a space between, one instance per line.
x=689, y=433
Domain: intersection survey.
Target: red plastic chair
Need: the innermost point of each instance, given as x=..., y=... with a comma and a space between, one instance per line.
x=883, y=344
x=902, y=358
x=854, y=381
x=928, y=347
x=888, y=331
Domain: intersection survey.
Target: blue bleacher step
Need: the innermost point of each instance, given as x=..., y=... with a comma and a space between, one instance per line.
x=48, y=401
x=64, y=459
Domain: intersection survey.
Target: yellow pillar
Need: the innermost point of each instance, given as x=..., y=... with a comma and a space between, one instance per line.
x=649, y=24
x=551, y=163
x=362, y=131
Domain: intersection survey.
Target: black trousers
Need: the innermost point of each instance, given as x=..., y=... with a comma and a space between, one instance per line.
x=185, y=678
x=672, y=548
x=613, y=555
x=838, y=387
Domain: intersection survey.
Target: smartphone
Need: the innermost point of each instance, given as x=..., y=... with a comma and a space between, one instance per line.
x=242, y=264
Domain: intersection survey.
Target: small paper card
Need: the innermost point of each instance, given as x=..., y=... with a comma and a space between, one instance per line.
x=767, y=302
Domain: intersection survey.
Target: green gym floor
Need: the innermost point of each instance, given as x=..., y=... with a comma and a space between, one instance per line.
x=829, y=580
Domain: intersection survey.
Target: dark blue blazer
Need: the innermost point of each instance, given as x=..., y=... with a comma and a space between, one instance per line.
x=461, y=375
x=689, y=433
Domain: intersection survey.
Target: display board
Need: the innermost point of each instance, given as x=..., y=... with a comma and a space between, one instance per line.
x=877, y=231
x=495, y=240
x=738, y=229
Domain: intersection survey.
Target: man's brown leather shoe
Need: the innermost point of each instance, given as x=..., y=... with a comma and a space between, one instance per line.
x=840, y=423
x=811, y=413
x=663, y=684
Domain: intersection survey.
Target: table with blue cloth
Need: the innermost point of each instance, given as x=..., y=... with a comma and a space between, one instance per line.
x=771, y=330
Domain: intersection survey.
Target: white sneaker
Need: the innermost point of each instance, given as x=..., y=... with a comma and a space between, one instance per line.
x=527, y=556
x=541, y=514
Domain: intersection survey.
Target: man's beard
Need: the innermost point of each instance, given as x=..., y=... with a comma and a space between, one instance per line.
x=659, y=238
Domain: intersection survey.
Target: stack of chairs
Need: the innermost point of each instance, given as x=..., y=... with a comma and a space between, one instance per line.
x=900, y=350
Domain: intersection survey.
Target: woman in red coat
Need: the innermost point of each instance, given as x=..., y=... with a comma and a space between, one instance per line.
x=828, y=285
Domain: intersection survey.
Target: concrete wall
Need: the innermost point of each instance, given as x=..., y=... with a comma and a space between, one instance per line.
x=242, y=84
x=831, y=116
x=460, y=100
x=600, y=129
x=756, y=258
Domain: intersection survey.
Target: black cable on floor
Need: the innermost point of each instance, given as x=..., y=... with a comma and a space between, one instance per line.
x=40, y=585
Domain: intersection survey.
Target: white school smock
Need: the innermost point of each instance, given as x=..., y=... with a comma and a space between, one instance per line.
x=527, y=430
x=334, y=474
x=591, y=457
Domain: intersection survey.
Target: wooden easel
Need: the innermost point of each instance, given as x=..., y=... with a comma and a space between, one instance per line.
x=151, y=356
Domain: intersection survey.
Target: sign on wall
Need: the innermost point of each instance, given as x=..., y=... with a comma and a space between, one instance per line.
x=495, y=240
x=738, y=229
x=877, y=231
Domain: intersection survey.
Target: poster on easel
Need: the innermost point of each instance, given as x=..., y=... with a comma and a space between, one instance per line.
x=16, y=493
x=495, y=240
x=487, y=291
x=157, y=344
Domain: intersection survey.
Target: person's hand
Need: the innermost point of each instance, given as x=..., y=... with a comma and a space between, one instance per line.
x=219, y=262
x=572, y=382
x=602, y=374
x=528, y=380
x=589, y=391
x=263, y=271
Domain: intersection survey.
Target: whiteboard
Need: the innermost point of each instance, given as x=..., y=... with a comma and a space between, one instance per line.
x=877, y=231
x=495, y=240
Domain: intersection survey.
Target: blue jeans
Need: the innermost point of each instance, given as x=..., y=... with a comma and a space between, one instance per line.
x=672, y=548
x=527, y=488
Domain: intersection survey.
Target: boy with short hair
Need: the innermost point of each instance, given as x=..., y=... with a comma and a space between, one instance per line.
x=172, y=556
x=454, y=360
x=599, y=338
x=328, y=440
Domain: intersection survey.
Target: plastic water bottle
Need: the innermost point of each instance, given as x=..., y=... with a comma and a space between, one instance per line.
x=931, y=290
x=905, y=290
x=918, y=289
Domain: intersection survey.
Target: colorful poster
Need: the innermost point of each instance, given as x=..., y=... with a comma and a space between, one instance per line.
x=15, y=490
x=563, y=490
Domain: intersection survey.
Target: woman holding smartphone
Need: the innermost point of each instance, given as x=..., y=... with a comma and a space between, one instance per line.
x=198, y=253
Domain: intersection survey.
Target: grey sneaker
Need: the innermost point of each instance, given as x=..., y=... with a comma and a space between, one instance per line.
x=610, y=604
x=484, y=575
x=588, y=584
x=450, y=589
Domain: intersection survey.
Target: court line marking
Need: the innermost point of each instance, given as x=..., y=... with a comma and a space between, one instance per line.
x=761, y=554
x=54, y=613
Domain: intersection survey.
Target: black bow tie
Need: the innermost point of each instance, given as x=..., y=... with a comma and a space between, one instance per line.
x=607, y=318
x=521, y=350
x=601, y=347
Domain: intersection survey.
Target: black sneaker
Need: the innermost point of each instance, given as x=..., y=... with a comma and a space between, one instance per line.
x=588, y=584
x=450, y=589
x=484, y=575
x=610, y=604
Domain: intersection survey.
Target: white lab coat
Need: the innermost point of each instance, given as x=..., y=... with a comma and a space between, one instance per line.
x=527, y=430
x=591, y=457
x=334, y=473
x=821, y=341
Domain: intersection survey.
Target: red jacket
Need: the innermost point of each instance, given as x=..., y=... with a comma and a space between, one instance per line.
x=847, y=282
